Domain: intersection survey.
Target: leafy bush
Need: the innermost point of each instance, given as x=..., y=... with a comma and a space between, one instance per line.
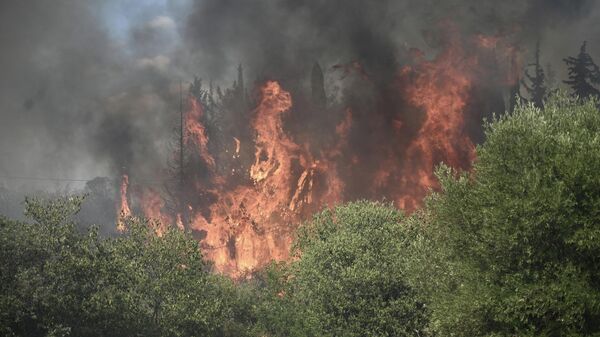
x=350, y=277
x=55, y=281
x=513, y=248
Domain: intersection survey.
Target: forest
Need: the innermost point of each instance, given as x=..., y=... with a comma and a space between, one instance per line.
x=508, y=248
x=275, y=168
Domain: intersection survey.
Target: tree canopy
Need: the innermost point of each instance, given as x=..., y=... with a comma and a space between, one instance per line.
x=58, y=282
x=513, y=247
x=350, y=275
x=510, y=248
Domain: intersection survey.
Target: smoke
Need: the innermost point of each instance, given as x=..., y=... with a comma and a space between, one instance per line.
x=91, y=88
x=84, y=93
x=283, y=38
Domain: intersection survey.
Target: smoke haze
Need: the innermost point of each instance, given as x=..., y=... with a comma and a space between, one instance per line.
x=91, y=88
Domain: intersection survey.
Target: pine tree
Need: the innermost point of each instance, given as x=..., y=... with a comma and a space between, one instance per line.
x=241, y=91
x=180, y=189
x=583, y=74
x=318, y=86
x=178, y=166
x=536, y=89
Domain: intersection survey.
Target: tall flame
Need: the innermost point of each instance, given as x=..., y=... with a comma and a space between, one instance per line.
x=441, y=88
x=247, y=204
x=195, y=130
x=246, y=225
x=123, y=209
x=152, y=206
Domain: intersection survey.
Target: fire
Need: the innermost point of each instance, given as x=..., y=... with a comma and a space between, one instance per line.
x=441, y=88
x=486, y=41
x=253, y=223
x=273, y=147
x=245, y=205
x=196, y=131
x=124, y=210
x=152, y=206
x=237, y=147
x=246, y=228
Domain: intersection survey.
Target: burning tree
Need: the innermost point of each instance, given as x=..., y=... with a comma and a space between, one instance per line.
x=248, y=169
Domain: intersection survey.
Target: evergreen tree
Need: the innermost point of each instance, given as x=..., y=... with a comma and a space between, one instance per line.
x=318, y=86
x=224, y=113
x=583, y=74
x=235, y=115
x=179, y=189
x=536, y=89
x=179, y=165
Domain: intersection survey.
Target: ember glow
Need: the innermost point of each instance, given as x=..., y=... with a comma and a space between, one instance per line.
x=245, y=211
x=152, y=206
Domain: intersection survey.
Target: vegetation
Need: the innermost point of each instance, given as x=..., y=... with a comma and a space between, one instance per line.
x=511, y=248
x=350, y=276
x=584, y=74
x=515, y=243
x=535, y=83
x=57, y=282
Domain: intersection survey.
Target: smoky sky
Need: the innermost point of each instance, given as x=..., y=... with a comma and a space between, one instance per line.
x=81, y=94
x=283, y=37
x=90, y=88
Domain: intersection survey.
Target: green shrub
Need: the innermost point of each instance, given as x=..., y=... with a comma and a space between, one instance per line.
x=350, y=278
x=513, y=248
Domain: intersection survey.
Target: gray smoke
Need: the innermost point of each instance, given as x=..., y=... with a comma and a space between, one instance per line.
x=90, y=88
x=82, y=95
x=283, y=38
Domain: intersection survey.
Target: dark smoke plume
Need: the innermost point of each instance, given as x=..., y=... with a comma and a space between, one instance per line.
x=90, y=88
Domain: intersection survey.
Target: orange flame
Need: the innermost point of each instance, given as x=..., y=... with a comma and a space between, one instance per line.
x=247, y=221
x=237, y=147
x=152, y=206
x=195, y=130
x=245, y=229
x=124, y=210
x=441, y=89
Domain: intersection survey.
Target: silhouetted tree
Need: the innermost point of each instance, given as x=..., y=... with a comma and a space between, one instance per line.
x=318, y=86
x=235, y=111
x=224, y=113
x=180, y=164
x=536, y=88
x=583, y=74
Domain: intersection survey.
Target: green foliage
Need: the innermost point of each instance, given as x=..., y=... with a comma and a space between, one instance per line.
x=513, y=248
x=273, y=311
x=57, y=282
x=349, y=280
